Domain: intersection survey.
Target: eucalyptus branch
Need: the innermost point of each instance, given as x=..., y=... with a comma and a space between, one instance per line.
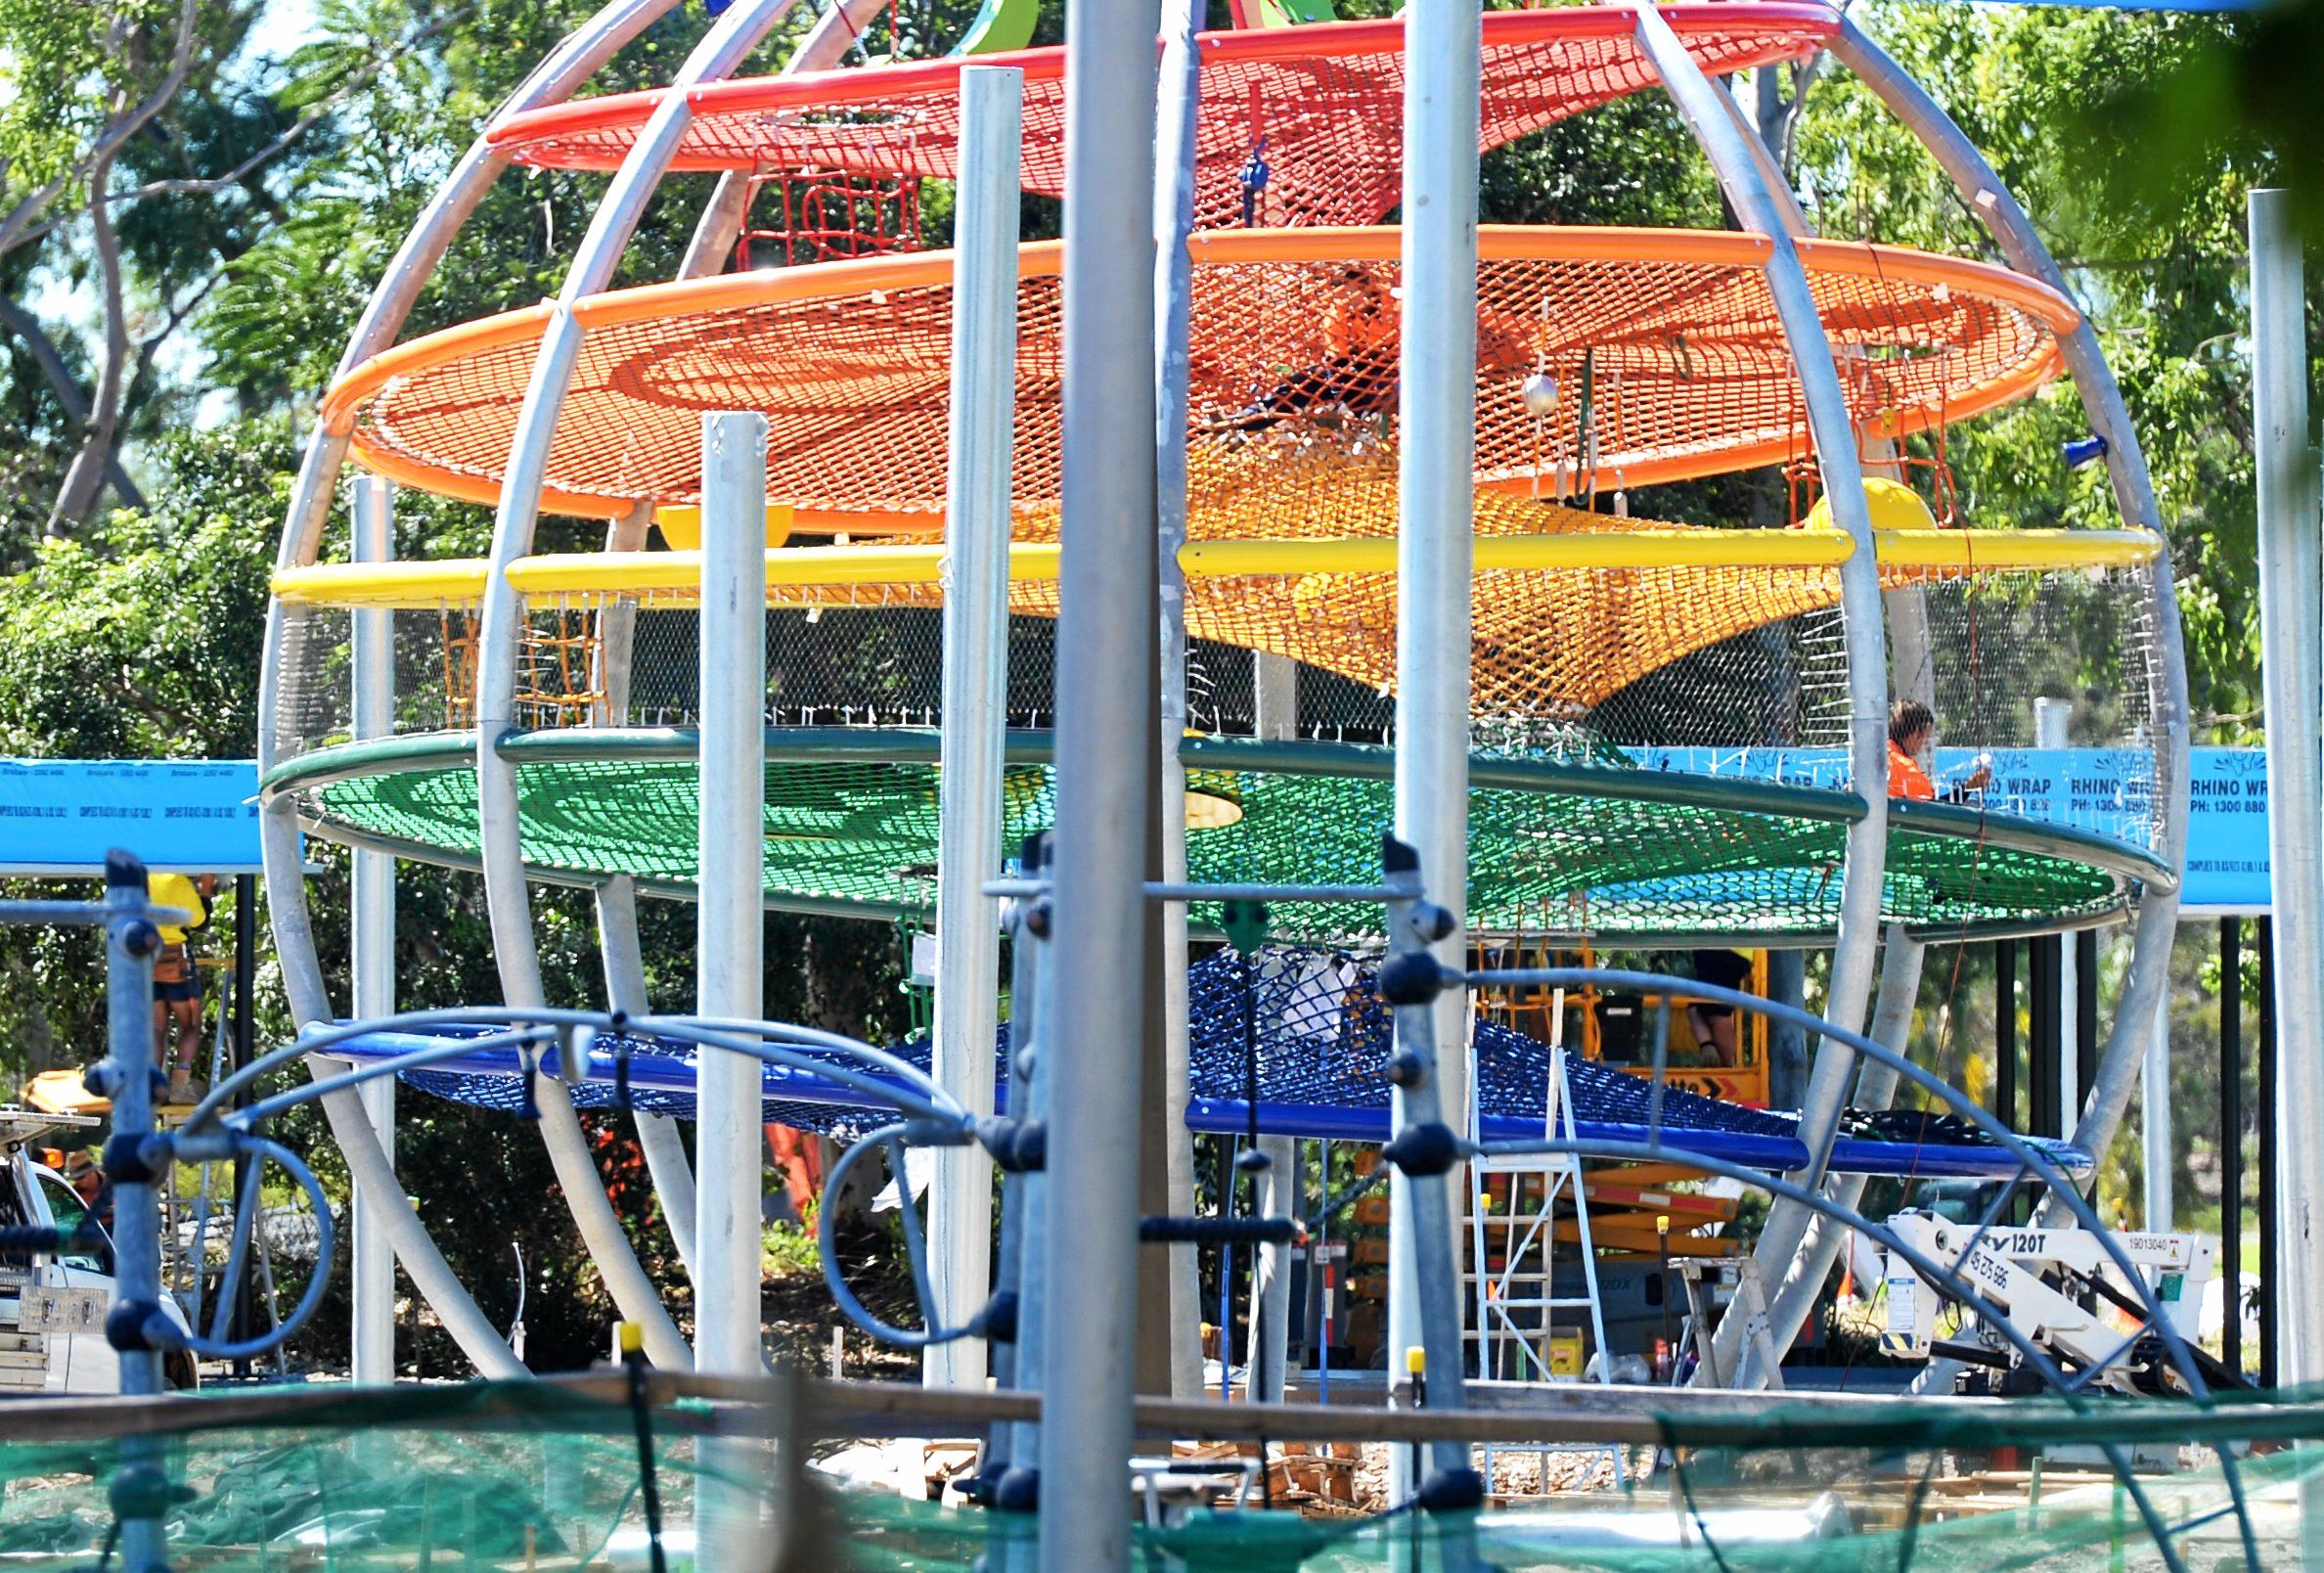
x=148, y=347
x=84, y=481
x=75, y=402
x=116, y=136
x=282, y=143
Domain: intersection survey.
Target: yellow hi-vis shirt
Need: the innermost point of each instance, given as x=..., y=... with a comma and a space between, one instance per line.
x=179, y=891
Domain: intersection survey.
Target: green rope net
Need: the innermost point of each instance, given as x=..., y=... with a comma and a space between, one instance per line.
x=542, y=1476
x=1561, y=850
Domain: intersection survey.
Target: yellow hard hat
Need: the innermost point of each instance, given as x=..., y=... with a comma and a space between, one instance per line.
x=1894, y=506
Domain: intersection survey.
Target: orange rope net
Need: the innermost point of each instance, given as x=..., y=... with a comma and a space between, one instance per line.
x=1548, y=644
x=1665, y=343
x=1321, y=103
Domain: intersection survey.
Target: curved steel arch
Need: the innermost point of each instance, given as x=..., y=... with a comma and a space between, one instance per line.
x=507, y=901
x=1710, y=116
x=563, y=71
x=2094, y=383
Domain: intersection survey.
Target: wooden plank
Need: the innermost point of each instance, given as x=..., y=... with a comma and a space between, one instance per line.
x=1647, y=1174
x=1615, y=1235
x=1677, y=1204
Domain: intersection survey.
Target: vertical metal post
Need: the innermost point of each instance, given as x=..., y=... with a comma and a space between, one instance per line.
x=2270, y=1287
x=729, y=936
x=2044, y=1101
x=1105, y=661
x=129, y=946
x=1437, y=433
x=1274, y=683
x=2155, y=1126
x=1787, y=1041
x=2083, y=997
x=975, y=694
x=2231, y=1169
x=372, y=945
x=2292, y=677
x=1178, y=100
x=2005, y=1049
x=245, y=1038
x=2051, y=719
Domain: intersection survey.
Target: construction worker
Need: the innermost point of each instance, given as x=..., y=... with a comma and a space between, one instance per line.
x=1357, y=378
x=177, y=989
x=1912, y=728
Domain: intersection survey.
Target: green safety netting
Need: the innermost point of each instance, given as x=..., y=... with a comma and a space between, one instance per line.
x=545, y=1475
x=1556, y=848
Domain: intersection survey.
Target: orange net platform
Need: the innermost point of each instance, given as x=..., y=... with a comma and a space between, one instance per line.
x=1664, y=346
x=1321, y=105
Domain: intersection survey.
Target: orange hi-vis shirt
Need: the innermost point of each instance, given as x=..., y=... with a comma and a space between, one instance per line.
x=1906, y=779
x=1366, y=320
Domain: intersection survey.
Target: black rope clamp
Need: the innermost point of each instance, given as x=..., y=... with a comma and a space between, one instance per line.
x=1451, y=1490
x=622, y=1050
x=129, y=1324
x=1167, y=1230
x=129, y=1160
x=1019, y=1147
x=1017, y=1491
x=1411, y=978
x=1423, y=1150
x=998, y=1321
x=145, y=1491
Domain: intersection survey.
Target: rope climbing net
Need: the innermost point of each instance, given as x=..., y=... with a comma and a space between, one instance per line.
x=1663, y=346
x=1302, y=126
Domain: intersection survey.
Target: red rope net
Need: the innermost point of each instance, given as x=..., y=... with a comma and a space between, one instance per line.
x=1321, y=104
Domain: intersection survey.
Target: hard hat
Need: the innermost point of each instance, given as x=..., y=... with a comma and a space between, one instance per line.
x=1894, y=506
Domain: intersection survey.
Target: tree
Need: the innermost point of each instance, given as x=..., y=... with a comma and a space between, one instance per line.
x=145, y=145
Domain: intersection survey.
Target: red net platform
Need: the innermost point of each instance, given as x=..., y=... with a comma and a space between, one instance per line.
x=1321, y=103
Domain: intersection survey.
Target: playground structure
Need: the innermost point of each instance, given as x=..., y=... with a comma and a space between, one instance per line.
x=1480, y=678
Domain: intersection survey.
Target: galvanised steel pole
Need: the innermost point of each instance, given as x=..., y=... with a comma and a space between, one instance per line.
x=2291, y=670
x=1178, y=107
x=1106, y=659
x=130, y=941
x=2155, y=1127
x=1437, y=435
x=371, y=947
x=2053, y=720
x=1274, y=693
x=731, y=982
x=975, y=689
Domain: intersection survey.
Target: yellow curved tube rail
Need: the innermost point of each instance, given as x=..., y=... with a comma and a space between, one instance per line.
x=417, y=586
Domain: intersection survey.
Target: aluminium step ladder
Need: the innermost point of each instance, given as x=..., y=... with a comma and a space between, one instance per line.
x=1511, y=1277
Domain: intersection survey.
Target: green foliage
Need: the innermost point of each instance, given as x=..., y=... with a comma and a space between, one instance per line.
x=141, y=641
x=2146, y=218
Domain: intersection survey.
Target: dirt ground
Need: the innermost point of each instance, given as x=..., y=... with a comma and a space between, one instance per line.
x=802, y=1320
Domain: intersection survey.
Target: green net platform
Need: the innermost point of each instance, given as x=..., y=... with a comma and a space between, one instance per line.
x=1557, y=849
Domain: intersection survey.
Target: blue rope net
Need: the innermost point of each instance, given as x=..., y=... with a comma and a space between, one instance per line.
x=1313, y=1021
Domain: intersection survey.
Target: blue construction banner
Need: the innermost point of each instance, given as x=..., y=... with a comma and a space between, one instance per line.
x=2227, y=832
x=2105, y=790
x=61, y=816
